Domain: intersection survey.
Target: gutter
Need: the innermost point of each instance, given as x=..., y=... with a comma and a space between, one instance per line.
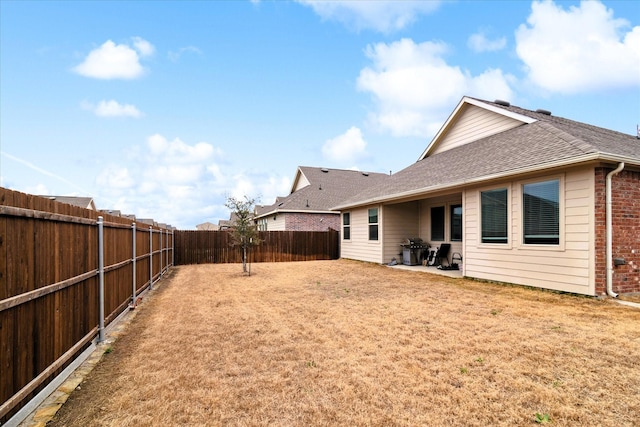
x=609, y=231
x=280, y=211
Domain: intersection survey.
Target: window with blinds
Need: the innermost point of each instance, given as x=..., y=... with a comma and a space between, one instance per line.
x=541, y=213
x=494, y=216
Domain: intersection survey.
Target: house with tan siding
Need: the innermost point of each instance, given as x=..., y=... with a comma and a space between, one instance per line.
x=314, y=192
x=523, y=196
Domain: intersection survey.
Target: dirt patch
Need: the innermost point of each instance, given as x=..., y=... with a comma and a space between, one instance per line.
x=350, y=343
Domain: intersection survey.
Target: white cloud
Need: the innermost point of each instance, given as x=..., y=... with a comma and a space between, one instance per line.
x=479, y=42
x=379, y=15
x=580, y=49
x=181, y=184
x=175, y=56
x=415, y=88
x=112, y=109
x=167, y=180
x=143, y=47
x=115, y=61
x=345, y=148
x=115, y=177
x=177, y=151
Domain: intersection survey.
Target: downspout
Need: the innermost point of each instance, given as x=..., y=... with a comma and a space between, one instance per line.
x=609, y=232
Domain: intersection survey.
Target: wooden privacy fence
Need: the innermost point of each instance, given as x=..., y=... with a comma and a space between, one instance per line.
x=65, y=273
x=202, y=247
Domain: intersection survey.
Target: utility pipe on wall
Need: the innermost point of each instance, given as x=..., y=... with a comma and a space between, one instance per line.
x=609, y=231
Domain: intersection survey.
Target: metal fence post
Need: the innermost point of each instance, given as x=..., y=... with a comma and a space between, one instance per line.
x=101, y=279
x=173, y=248
x=133, y=292
x=150, y=257
x=161, y=249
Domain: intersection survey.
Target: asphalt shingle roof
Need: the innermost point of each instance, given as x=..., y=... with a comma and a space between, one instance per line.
x=327, y=188
x=539, y=144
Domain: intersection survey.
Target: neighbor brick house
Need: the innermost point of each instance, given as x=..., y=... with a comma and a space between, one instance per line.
x=313, y=193
x=520, y=194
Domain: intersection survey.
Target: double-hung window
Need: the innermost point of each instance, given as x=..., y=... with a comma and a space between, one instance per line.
x=541, y=212
x=373, y=224
x=493, y=213
x=346, y=226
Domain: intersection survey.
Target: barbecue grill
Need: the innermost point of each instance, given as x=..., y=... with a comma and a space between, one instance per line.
x=412, y=249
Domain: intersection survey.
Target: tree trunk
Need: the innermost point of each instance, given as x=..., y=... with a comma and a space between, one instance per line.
x=244, y=259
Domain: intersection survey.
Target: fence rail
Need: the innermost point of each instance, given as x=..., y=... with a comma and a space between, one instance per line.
x=65, y=273
x=202, y=247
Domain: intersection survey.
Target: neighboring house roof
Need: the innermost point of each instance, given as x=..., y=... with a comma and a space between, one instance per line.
x=539, y=141
x=317, y=190
x=207, y=226
x=83, y=202
x=149, y=221
x=113, y=212
x=228, y=223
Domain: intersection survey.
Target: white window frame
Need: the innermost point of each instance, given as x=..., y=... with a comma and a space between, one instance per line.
x=376, y=224
x=346, y=226
x=561, y=214
x=510, y=237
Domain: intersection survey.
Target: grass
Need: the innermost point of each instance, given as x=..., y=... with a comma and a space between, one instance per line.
x=349, y=343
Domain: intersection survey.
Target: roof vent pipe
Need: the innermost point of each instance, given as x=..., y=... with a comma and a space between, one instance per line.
x=609, y=232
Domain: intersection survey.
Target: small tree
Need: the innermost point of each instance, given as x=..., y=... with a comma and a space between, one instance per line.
x=244, y=232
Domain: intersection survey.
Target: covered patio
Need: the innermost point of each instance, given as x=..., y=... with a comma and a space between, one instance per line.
x=456, y=274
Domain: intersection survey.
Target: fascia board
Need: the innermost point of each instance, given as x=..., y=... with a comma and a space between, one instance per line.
x=281, y=211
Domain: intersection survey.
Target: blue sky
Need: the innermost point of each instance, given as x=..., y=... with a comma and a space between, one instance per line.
x=164, y=109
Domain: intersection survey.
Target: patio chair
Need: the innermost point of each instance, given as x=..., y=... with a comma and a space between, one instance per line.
x=442, y=254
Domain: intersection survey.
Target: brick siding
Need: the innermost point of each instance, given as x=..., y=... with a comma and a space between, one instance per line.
x=311, y=222
x=625, y=188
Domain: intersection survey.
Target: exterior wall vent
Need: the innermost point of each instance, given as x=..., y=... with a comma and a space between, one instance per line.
x=503, y=103
x=545, y=112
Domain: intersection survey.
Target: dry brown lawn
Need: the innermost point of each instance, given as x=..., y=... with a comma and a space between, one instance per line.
x=344, y=343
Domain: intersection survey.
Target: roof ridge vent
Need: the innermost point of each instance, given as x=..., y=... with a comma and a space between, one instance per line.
x=545, y=112
x=503, y=103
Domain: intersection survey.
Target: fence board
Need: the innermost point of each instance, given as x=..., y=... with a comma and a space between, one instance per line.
x=49, y=307
x=202, y=247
